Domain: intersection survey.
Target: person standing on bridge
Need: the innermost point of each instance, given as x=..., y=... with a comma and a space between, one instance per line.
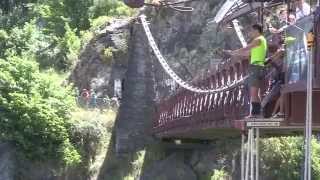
x=258, y=52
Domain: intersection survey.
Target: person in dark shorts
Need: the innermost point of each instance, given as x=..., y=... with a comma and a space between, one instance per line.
x=258, y=51
x=275, y=84
x=256, y=75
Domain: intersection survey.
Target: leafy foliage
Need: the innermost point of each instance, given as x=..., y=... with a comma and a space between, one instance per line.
x=108, y=55
x=50, y=51
x=98, y=22
x=37, y=35
x=110, y=8
x=35, y=111
x=68, y=48
x=50, y=30
x=91, y=133
x=283, y=158
x=219, y=175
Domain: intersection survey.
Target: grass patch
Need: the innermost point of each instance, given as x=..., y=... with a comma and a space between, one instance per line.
x=91, y=132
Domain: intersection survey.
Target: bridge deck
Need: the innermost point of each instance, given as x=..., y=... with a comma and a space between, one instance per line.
x=269, y=127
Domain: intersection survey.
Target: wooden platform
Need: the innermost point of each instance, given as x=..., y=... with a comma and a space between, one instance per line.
x=262, y=123
x=273, y=126
x=269, y=127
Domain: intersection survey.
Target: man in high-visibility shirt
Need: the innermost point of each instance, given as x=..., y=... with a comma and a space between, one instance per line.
x=258, y=51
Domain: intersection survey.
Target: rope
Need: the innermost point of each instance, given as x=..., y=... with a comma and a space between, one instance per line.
x=172, y=74
x=239, y=33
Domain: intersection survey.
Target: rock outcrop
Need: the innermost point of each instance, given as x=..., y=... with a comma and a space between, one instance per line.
x=7, y=163
x=171, y=168
x=104, y=59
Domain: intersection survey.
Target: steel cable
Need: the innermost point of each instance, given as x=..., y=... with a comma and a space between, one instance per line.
x=173, y=75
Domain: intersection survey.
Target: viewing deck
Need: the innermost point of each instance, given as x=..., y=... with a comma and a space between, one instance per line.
x=213, y=115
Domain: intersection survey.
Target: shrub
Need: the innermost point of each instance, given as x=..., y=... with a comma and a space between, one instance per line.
x=48, y=50
x=91, y=133
x=98, y=22
x=219, y=175
x=35, y=112
x=108, y=55
x=283, y=158
x=69, y=46
x=110, y=8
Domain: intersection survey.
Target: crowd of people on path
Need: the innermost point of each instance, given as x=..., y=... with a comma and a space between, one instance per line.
x=87, y=98
x=257, y=50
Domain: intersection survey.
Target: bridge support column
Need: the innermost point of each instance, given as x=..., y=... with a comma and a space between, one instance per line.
x=136, y=111
x=243, y=138
x=248, y=155
x=257, y=153
x=251, y=168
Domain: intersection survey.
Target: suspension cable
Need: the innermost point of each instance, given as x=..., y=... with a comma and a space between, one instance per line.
x=173, y=75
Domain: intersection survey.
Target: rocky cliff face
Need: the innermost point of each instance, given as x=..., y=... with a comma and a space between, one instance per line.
x=187, y=40
x=197, y=163
x=7, y=165
x=104, y=59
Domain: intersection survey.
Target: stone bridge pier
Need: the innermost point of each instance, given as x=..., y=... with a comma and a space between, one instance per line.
x=134, y=120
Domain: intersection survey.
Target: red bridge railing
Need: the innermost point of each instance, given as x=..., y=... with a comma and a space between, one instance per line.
x=185, y=109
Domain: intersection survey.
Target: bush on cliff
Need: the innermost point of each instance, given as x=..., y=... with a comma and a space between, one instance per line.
x=35, y=111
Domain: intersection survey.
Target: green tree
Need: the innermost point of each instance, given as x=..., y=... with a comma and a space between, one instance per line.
x=36, y=35
x=283, y=158
x=35, y=112
x=49, y=50
x=78, y=12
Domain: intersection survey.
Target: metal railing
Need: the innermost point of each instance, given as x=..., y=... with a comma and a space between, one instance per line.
x=187, y=109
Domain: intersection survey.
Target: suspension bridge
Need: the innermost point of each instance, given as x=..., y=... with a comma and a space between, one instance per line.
x=215, y=106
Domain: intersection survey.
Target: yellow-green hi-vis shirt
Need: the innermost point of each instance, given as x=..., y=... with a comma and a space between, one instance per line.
x=258, y=54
